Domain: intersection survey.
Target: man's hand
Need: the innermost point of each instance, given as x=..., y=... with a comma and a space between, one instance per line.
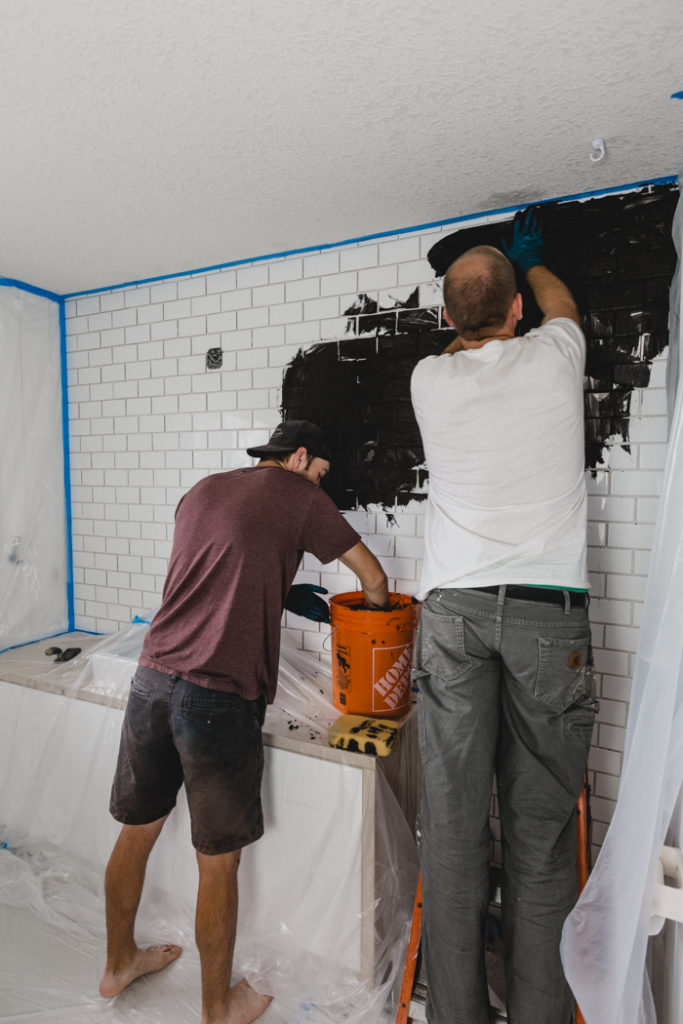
x=527, y=241
x=552, y=296
x=302, y=600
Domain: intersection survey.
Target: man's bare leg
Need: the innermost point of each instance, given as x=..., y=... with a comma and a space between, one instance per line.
x=123, y=883
x=216, y=924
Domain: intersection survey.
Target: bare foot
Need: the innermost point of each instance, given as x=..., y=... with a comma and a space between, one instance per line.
x=145, y=961
x=245, y=1006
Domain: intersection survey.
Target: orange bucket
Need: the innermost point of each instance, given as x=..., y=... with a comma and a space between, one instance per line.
x=372, y=654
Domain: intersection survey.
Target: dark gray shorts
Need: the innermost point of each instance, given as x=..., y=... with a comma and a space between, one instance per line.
x=174, y=732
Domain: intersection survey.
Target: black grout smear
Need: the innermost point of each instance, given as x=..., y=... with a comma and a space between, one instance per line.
x=616, y=255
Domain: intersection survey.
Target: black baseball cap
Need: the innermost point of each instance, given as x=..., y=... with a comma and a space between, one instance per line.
x=292, y=434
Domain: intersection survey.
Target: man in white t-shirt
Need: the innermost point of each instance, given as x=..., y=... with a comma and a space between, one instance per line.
x=503, y=654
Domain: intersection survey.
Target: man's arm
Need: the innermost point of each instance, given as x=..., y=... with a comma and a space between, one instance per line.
x=372, y=576
x=552, y=296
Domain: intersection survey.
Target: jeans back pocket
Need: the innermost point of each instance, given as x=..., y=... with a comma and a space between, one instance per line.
x=565, y=673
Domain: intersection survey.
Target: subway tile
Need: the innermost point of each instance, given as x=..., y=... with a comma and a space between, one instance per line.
x=612, y=712
x=287, y=313
x=289, y=269
x=150, y=387
x=88, y=304
x=400, y=251
x=321, y=263
x=254, y=399
x=222, y=281
x=205, y=304
x=99, y=322
x=621, y=638
x=648, y=429
x=377, y=278
x=248, y=318
x=267, y=337
x=359, y=258
x=177, y=310
x=610, y=509
x=164, y=330
x=222, y=400
x=190, y=287
x=166, y=291
x=626, y=588
x=252, y=276
x=137, y=296
x=123, y=318
x=268, y=295
x=192, y=326
x=640, y=482
x=339, y=284
x=219, y=322
x=251, y=358
x=624, y=535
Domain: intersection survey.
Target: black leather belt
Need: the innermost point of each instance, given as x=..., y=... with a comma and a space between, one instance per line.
x=544, y=595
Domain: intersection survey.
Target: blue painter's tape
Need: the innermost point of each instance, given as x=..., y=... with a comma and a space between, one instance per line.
x=671, y=180
x=67, y=470
x=52, y=636
x=677, y=95
x=9, y=282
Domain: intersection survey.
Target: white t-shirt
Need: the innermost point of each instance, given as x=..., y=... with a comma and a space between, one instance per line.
x=503, y=435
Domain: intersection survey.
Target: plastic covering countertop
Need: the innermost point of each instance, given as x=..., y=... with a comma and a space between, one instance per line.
x=52, y=938
x=605, y=940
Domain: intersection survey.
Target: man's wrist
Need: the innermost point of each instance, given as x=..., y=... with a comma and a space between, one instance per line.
x=528, y=262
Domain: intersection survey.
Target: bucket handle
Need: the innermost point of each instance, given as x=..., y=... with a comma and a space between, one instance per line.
x=328, y=650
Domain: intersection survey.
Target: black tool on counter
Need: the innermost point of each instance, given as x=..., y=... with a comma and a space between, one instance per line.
x=66, y=655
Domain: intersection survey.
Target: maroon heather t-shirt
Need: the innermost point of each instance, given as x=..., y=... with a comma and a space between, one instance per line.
x=238, y=540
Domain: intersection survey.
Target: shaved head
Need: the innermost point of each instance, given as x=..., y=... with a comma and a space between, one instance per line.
x=478, y=291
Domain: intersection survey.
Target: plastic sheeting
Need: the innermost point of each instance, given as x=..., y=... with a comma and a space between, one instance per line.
x=33, y=544
x=325, y=896
x=605, y=938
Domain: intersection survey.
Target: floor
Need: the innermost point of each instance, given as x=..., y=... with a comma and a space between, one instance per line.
x=52, y=946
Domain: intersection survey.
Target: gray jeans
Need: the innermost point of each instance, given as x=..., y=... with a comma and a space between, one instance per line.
x=505, y=685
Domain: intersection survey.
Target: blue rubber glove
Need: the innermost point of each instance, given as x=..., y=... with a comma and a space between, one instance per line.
x=527, y=242
x=302, y=600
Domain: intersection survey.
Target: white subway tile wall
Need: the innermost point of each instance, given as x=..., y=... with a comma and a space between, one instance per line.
x=147, y=420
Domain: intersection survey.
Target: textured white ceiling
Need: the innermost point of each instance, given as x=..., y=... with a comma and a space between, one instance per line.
x=148, y=137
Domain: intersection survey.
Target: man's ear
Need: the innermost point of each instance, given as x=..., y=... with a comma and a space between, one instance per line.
x=297, y=459
x=517, y=306
x=448, y=319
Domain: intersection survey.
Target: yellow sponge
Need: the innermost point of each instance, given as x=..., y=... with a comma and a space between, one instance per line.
x=364, y=735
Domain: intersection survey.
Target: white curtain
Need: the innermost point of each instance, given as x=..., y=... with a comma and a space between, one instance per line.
x=605, y=938
x=33, y=539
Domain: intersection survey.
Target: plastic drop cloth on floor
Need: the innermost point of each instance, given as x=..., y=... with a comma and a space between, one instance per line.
x=325, y=933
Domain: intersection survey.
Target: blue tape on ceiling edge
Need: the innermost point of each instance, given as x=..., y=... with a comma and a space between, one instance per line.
x=632, y=186
x=10, y=282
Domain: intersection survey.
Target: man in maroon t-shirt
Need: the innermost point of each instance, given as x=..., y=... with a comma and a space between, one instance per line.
x=208, y=668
